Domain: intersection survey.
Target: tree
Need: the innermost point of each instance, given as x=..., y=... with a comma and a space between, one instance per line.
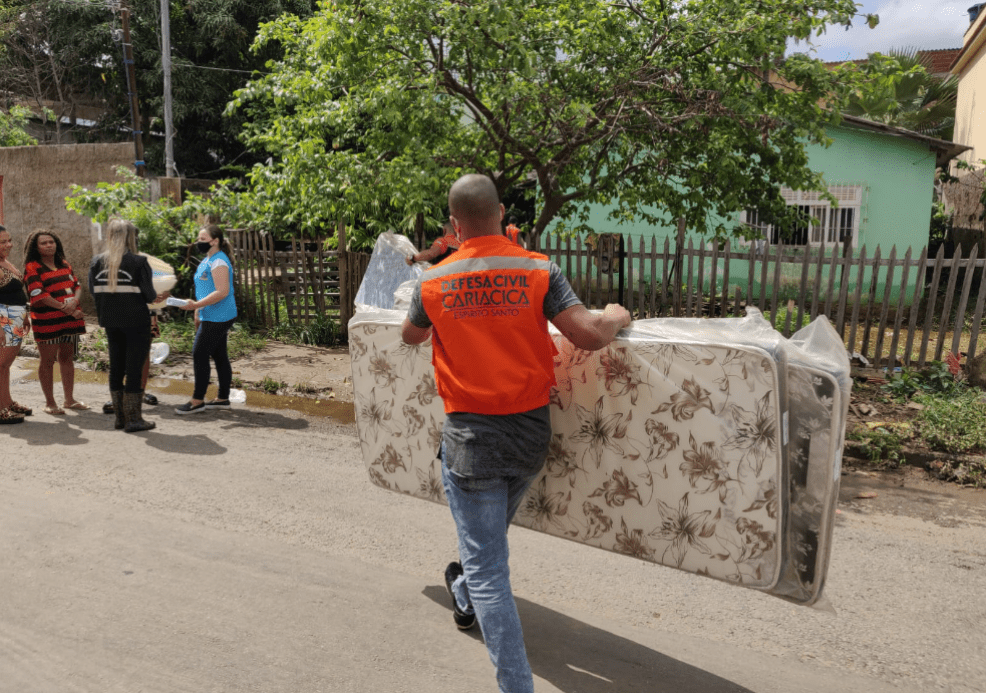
x=71, y=52
x=211, y=59
x=898, y=90
x=46, y=58
x=660, y=108
x=12, y=132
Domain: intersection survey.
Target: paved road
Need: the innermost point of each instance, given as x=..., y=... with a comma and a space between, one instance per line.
x=246, y=551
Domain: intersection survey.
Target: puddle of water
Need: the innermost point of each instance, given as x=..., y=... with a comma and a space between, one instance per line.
x=343, y=412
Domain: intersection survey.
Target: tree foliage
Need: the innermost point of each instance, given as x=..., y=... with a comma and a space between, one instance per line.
x=211, y=59
x=166, y=230
x=47, y=58
x=12, y=132
x=660, y=109
x=898, y=90
x=71, y=53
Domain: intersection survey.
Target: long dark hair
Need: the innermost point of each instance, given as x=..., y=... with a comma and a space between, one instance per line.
x=216, y=231
x=31, y=253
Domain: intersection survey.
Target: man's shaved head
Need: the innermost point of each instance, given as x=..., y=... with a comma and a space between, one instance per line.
x=473, y=200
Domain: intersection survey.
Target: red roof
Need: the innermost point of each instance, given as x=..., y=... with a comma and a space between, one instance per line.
x=937, y=61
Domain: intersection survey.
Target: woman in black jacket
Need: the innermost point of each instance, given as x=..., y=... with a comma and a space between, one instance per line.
x=120, y=282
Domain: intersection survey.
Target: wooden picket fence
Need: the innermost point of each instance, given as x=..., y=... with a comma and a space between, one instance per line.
x=293, y=281
x=893, y=318
x=891, y=310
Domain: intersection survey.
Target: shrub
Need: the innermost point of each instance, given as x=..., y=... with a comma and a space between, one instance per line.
x=953, y=423
x=322, y=331
x=878, y=444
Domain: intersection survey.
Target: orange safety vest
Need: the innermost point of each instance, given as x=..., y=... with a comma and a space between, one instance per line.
x=491, y=348
x=512, y=233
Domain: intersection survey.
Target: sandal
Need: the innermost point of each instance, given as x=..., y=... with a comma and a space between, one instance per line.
x=54, y=411
x=9, y=417
x=78, y=406
x=20, y=409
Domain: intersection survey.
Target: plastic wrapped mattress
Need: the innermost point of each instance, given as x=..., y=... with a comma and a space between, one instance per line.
x=711, y=446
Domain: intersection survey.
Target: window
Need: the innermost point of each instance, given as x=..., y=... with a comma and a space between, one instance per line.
x=819, y=220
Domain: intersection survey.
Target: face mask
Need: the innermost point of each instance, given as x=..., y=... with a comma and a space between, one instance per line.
x=203, y=246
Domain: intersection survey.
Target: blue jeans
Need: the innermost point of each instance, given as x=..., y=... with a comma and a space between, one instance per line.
x=482, y=510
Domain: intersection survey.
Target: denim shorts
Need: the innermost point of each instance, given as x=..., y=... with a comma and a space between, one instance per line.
x=12, y=324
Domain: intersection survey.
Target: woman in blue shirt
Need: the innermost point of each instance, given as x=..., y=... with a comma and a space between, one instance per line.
x=215, y=310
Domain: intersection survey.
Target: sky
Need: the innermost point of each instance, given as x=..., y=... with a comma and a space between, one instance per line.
x=920, y=24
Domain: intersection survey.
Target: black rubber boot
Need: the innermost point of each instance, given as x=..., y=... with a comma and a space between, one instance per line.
x=117, y=403
x=132, y=402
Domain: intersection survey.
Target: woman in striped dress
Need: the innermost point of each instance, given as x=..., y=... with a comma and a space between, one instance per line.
x=56, y=318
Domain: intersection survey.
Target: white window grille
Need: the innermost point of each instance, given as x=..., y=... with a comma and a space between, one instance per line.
x=821, y=222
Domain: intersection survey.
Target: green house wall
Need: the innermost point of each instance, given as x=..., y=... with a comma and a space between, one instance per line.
x=897, y=178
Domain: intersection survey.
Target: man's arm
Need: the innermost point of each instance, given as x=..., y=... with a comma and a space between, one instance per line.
x=426, y=255
x=591, y=331
x=412, y=331
x=412, y=334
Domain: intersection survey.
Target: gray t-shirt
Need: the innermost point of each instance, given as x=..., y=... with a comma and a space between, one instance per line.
x=484, y=445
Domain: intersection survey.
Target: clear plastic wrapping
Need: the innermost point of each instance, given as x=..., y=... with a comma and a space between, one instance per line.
x=711, y=446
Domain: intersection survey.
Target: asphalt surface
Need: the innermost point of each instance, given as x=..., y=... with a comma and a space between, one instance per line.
x=247, y=551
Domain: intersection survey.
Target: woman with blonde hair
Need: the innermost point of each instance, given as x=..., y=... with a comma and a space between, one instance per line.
x=120, y=282
x=56, y=319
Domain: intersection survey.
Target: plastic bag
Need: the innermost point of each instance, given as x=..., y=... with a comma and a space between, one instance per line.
x=162, y=277
x=159, y=352
x=387, y=271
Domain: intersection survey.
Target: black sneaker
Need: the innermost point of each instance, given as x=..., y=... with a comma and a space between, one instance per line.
x=462, y=620
x=217, y=404
x=150, y=399
x=108, y=407
x=189, y=408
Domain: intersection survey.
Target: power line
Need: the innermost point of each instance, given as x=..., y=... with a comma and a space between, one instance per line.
x=220, y=69
x=112, y=5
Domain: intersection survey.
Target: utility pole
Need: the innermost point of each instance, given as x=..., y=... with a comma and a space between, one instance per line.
x=169, y=133
x=128, y=62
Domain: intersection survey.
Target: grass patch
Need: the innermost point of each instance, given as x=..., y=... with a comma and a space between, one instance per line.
x=271, y=385
x=180, y=336
x=935, y=378
x=322, y=331
x=243, y=342
x=305, y=388
x=94, y=351
x=883, y=445
x=780, y=320
x=954, y=423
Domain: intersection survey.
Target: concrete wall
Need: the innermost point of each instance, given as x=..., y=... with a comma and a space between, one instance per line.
x=36, y=181
x=970, y=107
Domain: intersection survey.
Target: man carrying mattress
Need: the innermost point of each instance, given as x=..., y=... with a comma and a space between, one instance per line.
x=442, y=247
x=487, y=309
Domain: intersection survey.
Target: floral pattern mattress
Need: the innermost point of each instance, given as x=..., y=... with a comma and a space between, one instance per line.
x=711, y=446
